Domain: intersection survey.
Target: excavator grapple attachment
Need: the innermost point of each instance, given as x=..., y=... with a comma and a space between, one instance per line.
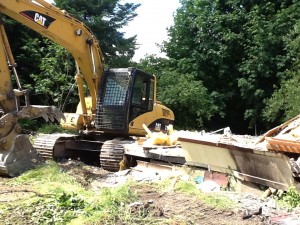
x=47, y=112
x=16, y=151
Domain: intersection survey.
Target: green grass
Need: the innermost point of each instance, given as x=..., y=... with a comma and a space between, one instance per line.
x=59, y=199
x=212, y=199
x=48, y=178
x=290, y=199
x=49, y=172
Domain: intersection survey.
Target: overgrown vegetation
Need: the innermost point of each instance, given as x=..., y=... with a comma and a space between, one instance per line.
x=189, y=188
x=52, y=128
x=290, y=199
x=244, y=55
x=57, y=198
x=60, y=199
x=40, y=126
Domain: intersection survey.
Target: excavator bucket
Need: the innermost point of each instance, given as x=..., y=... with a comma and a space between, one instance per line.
x=20, y=158
x=17, y=154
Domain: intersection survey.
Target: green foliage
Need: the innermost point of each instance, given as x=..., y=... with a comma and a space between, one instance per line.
x=52, y=128
x=28, y=125
x=105, y=19
x=291, y=198
x=49, y=172
x=61, y=200
x=239, y=50
x=25, y=45
x=36, y=126
x=56, y=209
x=235, y=62
x=113, y=204
x=48, y=70
x=193, y=106
x=284, y=102
x=187, y=97
x=56, y=77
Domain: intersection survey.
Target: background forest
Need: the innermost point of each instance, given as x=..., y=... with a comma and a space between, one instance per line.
x=229, y=63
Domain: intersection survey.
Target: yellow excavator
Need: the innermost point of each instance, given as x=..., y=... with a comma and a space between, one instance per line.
x=119, y=100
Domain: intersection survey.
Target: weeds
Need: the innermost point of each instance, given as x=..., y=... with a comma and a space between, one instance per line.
x=56, y=209
x=290, y=199
x=36, y=126
x=214, y=200
x=49, y=172
x=61, y=200
x=53, y=128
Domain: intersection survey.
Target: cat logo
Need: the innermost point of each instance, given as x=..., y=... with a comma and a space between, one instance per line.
x=39, y=18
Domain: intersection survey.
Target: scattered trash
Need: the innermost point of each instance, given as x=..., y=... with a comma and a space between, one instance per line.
x=248, y=214
x=288, y=219
x=135, y=204
x=209, y=186
x=199, y=179
x=220, y=178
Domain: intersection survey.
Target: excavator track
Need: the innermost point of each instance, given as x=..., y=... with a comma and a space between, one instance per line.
x=110, y=151
x=111, y=155
x=45, y=143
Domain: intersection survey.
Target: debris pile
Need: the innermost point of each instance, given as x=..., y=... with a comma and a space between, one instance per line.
x=285, y=137
x=251, y=205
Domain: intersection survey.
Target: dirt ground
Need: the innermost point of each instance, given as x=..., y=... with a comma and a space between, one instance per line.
x=182, y=209
x=185, y=209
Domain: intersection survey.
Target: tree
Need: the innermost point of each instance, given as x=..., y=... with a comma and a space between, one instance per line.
x=105, y=18
x=25, y=45
x=266, y=54
x=284, y=102
x=186, y=96
x=237, y=49
x=55, y=81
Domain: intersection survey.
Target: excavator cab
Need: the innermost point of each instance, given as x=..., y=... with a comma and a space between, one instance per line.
x=123, y=96
x=126, y=101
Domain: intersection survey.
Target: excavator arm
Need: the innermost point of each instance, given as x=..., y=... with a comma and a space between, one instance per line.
x=16, y=151
x=63, y=29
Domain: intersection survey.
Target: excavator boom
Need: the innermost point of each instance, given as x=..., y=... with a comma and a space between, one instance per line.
x=63, y=29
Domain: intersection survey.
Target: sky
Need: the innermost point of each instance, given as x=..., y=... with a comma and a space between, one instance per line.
x=150, y=26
